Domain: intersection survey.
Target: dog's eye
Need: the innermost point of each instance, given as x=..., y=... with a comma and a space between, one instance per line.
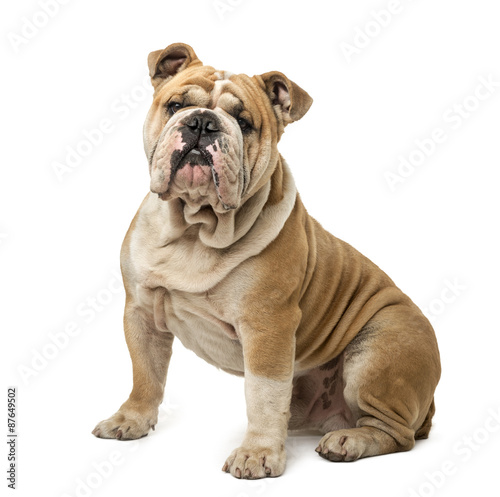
x=244, y=124
x=173, y=107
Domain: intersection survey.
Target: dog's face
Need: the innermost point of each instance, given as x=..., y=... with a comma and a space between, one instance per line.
x=211, y=137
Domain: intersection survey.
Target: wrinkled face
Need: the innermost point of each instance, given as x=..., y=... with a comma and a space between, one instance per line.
x=210, y=137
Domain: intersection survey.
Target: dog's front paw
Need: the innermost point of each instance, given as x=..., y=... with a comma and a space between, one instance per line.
x=253, y=463
x=126, y=424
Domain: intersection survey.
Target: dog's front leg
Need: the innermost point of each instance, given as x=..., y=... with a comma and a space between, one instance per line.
x=269, y=353
x=150, y=351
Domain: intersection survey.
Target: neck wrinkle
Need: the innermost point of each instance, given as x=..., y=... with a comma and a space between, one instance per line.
x=220, y=230
x=192, y=251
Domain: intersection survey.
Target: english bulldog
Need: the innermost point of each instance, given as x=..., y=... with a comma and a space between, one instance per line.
x=223, y=255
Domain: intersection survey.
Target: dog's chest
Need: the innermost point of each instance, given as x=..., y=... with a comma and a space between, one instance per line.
x=173, y=284
x=194, y=319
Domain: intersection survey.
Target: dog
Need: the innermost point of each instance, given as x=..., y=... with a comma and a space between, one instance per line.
x=223, y=255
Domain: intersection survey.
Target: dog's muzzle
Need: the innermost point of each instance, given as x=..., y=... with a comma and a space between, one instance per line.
x=207, y=142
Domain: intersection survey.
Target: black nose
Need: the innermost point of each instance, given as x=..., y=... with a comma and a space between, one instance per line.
x=203, y=123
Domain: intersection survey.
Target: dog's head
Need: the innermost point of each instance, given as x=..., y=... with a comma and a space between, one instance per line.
x=211, y=136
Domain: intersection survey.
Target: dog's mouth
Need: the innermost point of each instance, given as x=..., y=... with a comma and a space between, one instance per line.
x=193, y=170
x=199, y=164
x=194, y=157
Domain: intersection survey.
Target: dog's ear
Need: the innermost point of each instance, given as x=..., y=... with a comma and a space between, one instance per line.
x=288, y=98
x=165, y=64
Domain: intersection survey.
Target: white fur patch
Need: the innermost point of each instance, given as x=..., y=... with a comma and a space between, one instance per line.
x=175, y=262
x=268, y=407
x=223, y=75
x=219, y=89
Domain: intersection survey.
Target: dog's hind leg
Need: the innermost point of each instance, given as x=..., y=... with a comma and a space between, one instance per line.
x=390, y=378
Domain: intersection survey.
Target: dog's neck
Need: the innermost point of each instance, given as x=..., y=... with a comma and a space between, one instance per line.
x=272, y=202
x=177, y=247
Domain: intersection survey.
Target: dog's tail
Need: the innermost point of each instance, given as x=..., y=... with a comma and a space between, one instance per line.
x=423, y=431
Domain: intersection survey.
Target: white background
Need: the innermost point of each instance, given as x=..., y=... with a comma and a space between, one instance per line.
x=60, y=238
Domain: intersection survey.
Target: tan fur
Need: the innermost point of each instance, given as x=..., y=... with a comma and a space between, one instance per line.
x=271, y=295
